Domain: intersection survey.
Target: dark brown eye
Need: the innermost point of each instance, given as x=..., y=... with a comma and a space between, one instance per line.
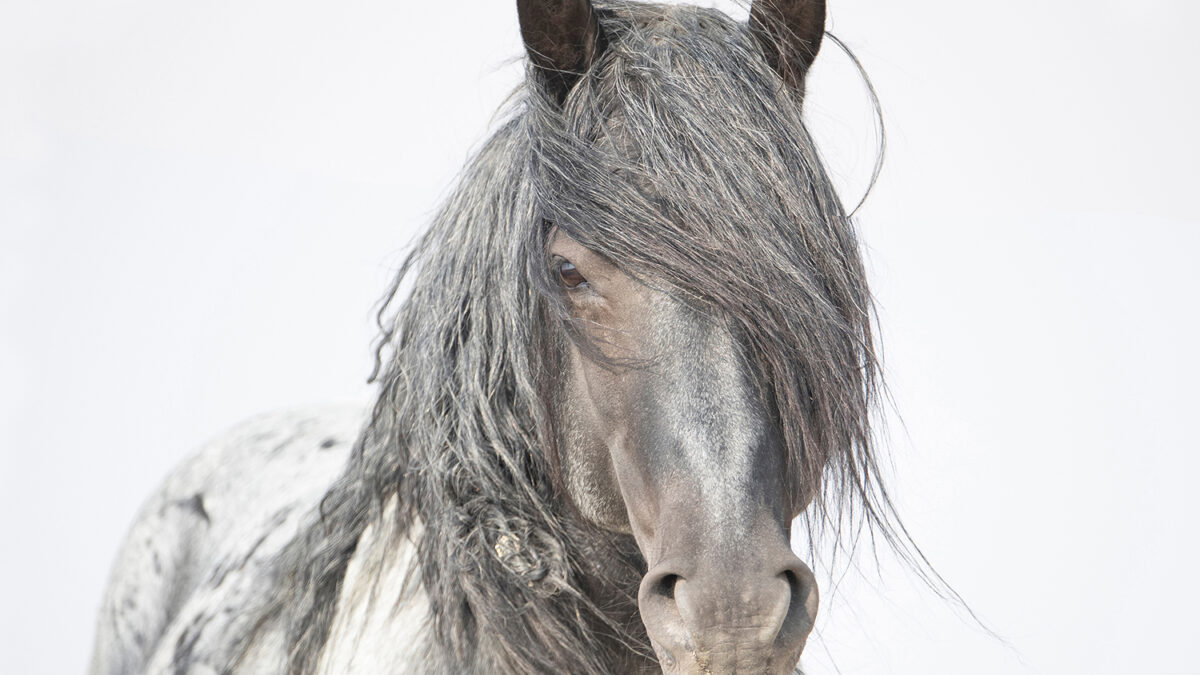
x=568, y=275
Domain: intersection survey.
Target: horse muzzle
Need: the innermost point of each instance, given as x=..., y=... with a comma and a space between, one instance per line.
x=746, y=609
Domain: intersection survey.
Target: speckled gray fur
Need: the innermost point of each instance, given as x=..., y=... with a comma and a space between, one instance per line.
x=203, y=551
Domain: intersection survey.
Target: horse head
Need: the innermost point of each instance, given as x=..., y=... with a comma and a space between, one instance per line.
x=682, y=414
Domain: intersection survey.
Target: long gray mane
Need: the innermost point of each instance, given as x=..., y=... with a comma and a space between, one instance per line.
x=680, y=156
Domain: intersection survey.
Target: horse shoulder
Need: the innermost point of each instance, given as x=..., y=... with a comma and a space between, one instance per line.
x=201, y=555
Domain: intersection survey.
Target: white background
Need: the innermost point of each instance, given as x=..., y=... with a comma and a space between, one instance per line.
x=200, y=203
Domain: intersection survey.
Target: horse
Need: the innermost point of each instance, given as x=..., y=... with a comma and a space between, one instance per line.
x=635, y=343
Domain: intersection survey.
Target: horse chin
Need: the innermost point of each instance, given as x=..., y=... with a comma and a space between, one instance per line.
x=728, y=661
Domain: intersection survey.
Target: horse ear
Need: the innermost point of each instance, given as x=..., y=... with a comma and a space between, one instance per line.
x=562, y=38
x=790, y=33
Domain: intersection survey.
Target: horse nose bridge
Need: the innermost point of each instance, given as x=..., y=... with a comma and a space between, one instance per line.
x=704, y=430
x=697, y=391
x=726, y=490
x=716, y=489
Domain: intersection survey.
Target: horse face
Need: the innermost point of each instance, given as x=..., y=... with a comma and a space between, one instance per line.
x=662, y=435
x=661, y=430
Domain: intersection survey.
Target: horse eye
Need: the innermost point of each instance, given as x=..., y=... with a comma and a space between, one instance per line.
x=568, y=275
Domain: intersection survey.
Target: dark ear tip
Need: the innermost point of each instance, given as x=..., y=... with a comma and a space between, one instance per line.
x=562, y=38
x=790, y=33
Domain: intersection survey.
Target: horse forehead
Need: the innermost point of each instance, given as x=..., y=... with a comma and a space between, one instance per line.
x=661, y=22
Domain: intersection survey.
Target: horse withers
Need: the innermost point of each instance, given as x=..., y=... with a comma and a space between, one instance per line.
x=637, y=345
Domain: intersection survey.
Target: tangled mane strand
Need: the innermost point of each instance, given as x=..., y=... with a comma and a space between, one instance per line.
x=514, y=584
x=682, y=157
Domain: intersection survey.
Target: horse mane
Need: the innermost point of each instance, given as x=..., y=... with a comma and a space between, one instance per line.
x=682, y=157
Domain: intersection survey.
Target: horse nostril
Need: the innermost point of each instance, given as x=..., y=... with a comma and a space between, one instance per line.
x=793, y=582
x=657, y=603
x=664, y=587
x=802, y=608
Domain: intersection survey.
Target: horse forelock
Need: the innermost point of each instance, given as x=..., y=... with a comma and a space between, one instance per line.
x=680, y=156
